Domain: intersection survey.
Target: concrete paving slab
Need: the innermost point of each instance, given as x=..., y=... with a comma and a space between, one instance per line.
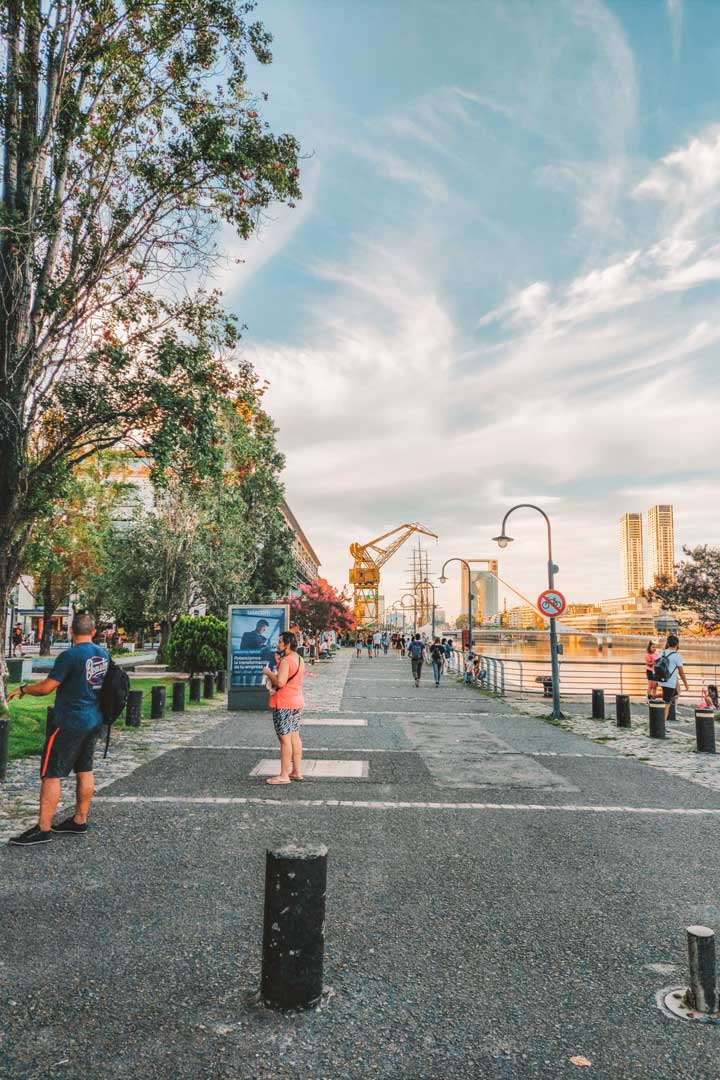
x=333, y=721
x=315, y=769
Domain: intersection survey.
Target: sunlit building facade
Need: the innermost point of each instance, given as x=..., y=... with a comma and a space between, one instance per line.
x=631, y=553
x=661, y=544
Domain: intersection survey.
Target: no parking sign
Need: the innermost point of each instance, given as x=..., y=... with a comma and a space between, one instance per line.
x=551, y=603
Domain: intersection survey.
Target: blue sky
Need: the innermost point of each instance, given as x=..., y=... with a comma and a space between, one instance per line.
x=502, y=282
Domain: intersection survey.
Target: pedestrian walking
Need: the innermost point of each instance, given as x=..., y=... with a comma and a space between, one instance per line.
x=17, y=639
x=385, y=643
x=418, y=654
x=447, y=646
x=370, y=645
x=77, y=675
x=358, y=647
x=287, y=702
x=668, y=668
x=377, y=642
x=651, y=655
x=437, y=656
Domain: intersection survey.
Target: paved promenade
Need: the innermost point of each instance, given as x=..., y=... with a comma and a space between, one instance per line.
x=503, y=896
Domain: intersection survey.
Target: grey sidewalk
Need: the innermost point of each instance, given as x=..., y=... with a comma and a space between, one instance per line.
x=501, y=894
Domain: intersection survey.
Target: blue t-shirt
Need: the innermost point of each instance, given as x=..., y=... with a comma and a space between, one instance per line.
x=80, y=671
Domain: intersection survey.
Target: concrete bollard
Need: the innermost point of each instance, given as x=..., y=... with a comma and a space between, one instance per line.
x=622, y=710
x=157, y=702
x=221, y=682
x=209, y=685
x=133, y=710
x=195, y=688
x=178, y=697
x=705, y=731
x=294, y=926
x=4, y=741
x=656, y=710
x=598, y=704
x=702, y=994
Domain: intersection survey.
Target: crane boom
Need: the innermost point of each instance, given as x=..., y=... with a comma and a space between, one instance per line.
x=365, y=573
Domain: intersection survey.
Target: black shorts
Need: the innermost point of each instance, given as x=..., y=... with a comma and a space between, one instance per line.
x=67, y=751
x=650, y=674
x=669, y=694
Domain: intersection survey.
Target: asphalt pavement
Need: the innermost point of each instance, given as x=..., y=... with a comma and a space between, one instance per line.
x=503, y=897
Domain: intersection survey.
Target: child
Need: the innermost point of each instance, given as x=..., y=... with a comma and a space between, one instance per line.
x=651, y=655
x=709, y=697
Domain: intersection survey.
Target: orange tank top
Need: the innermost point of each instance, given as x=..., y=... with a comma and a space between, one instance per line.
x=290, y=696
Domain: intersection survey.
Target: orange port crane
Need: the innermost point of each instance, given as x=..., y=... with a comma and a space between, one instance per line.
x=365, y=574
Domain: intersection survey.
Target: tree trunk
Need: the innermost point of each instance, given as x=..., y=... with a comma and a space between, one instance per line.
x=5, y=590
x=48, y=609
x=165, y=629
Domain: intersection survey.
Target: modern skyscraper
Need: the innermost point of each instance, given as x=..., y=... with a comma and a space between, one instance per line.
x=484, y=586
x=661, y=544
x=631, y=551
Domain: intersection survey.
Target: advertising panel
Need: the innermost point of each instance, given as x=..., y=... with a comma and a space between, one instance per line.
x=253, y=633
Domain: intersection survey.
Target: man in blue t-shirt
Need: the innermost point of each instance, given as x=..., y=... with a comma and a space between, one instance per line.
x=77, y=676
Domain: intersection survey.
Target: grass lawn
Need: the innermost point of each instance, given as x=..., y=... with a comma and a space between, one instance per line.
x=27, y=715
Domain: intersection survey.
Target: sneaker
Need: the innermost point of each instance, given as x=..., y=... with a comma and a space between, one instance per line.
x=33, y=835
x=70, y=827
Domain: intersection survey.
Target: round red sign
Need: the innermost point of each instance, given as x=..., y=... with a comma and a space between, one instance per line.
x=551, y=603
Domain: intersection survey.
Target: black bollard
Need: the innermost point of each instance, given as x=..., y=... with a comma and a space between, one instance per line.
x=195, y=686
x=294, y=927
x=157, y=702
x=702, y=994
x=178, y=697
x=133, y=711
x=598, y=704
x=671, y=715
x=705, y=731
x=221, y=682
x=4, y=740
x=622, y=710
x=209, y=685
x=656, y=710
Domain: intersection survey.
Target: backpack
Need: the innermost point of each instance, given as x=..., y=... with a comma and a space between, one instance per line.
x=113, y=696
x=661, y=671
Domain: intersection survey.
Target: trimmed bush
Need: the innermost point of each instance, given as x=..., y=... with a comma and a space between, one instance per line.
x=198, y=643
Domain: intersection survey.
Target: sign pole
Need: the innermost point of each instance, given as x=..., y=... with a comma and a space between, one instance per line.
x=555, y=665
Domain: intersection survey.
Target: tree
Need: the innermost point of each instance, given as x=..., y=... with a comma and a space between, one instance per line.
x=122, y=154
x=198, y=644
x=696, y=588
x=319, y=607
x=462, y=621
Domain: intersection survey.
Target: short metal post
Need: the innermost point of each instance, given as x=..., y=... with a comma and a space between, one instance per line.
x=209, y=686
x=157, y=702
x=178, y=697
x=133, y=711
x=4, y=741
x=656, y=710
x=622, y=710
x=702, y=995
x=705, y=731
x=598, y=704
x=294, y=926
x=195, y=688
x=221, y=682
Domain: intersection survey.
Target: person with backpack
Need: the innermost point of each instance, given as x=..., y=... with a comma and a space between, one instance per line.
x=77, y=675
x=437, y=655
x=418, y=654
x=668, y=667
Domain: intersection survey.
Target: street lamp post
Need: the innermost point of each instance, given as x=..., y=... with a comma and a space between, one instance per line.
x=443, y=579
x=413, y=597
x=502, y=541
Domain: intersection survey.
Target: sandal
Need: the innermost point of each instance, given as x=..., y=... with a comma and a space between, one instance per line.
x=277, y=780
x=292, y=777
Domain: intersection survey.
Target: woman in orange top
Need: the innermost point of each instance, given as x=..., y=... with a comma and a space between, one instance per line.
x=286, y=704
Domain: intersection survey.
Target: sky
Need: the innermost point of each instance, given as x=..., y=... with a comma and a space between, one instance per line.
x=502, y=282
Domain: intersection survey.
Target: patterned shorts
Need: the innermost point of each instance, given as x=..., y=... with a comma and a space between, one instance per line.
x=286, y=721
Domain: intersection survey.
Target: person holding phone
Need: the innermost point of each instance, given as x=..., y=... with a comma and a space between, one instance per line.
x=287, y=702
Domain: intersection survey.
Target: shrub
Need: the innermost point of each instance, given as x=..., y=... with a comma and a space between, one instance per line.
x=198, y=643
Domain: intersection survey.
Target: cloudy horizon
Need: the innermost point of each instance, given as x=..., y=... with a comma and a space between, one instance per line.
x=501, y=283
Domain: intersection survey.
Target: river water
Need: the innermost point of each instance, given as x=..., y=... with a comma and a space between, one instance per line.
x=616, y=669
